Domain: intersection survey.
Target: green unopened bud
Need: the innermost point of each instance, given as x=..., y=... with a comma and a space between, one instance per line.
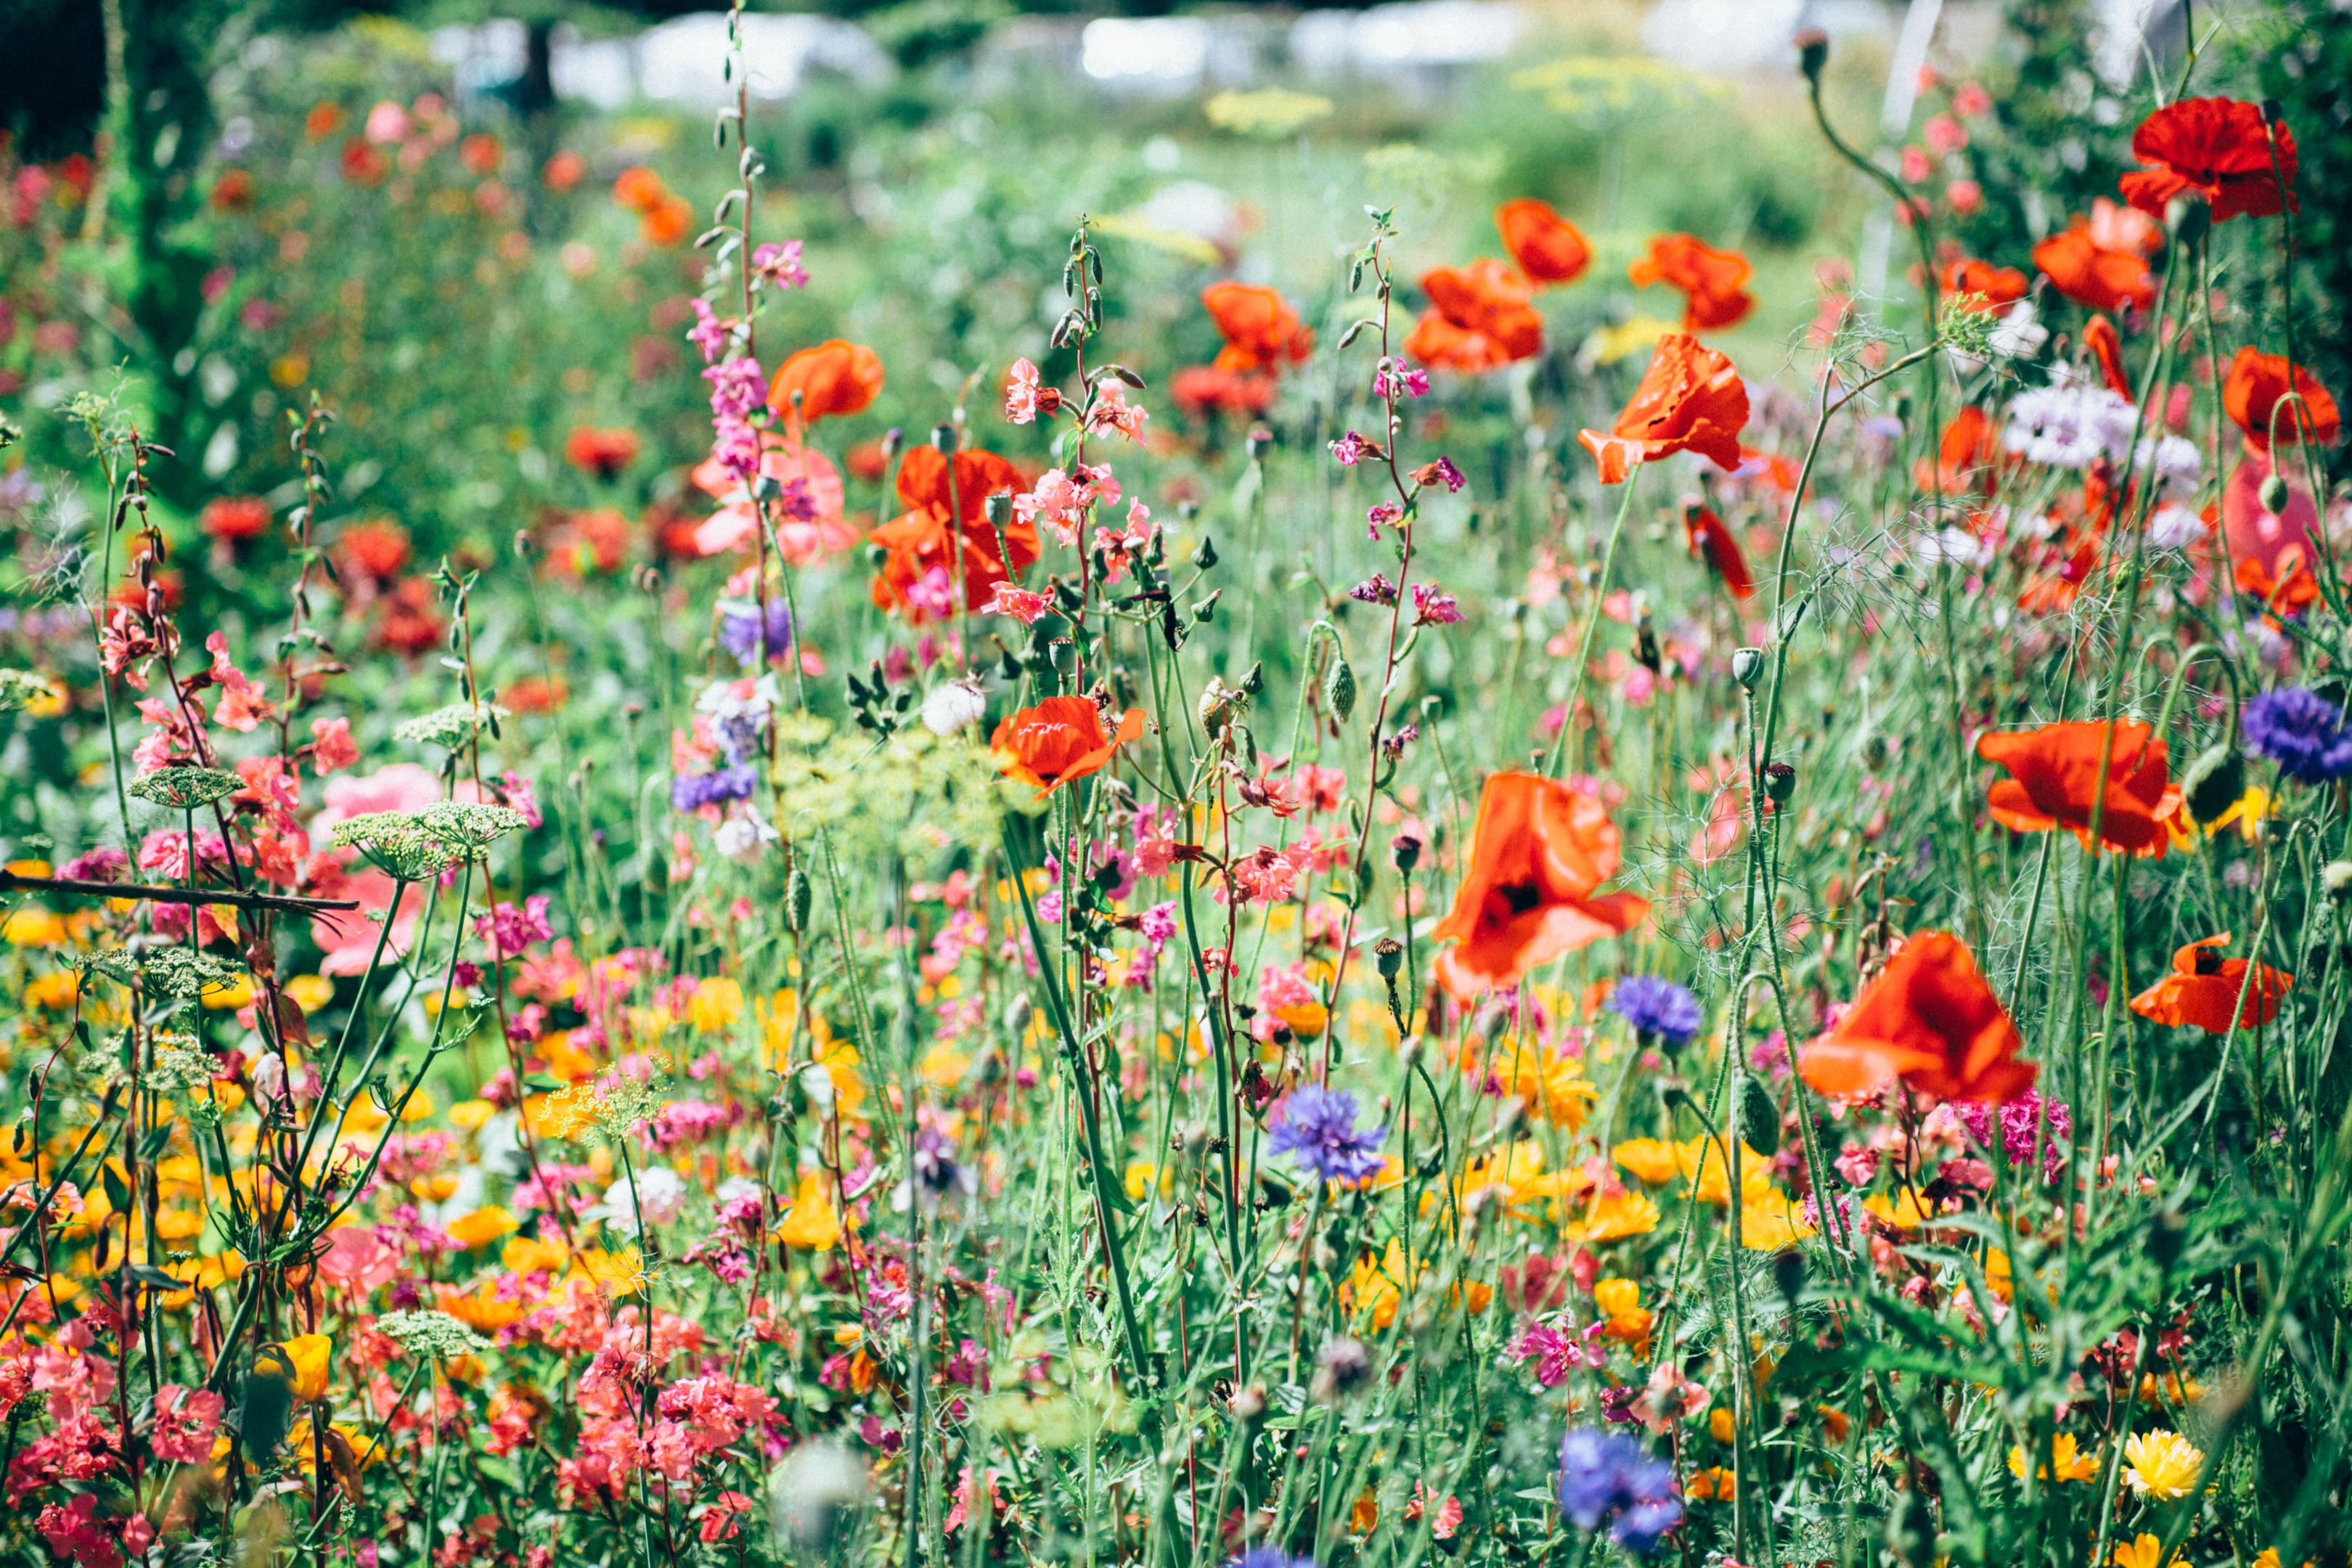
x=798, y=896
x=2214, y=783
x=2275, y=495
x=1759, y=1118
x=1342, y=689
x=1748, y=666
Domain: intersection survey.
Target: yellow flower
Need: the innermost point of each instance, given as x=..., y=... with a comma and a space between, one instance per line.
x=310, y=992
x=238, y=992
x=2065, y=1455
x=614, y=1273
x=2160, y=1464
x=1719, y=1424
x=1647, y=1160
x=2247, y=814
x=33, y=926
x=2168, y=1390
x=483, y=1227
x=715, y=1005
x=1771, y=1220
x=1611, y=1217
x=57, y=990
x=1904, y=1211
x=2141, y=1553
x=1706, y=1485
x=1610, y=344
x=301, y=1361
x=484, y=1311
x=1619, y=1304
x=810, y=1223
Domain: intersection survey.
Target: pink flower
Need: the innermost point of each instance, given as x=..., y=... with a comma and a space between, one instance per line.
x=1112, y=411
x=1394, y=378
x=778, y=265
x=722, y=1518
x=515, y=791
x=1970, y=100
x=1351, y=449
x=1916, y=167
x=74, y=1530
x=932, y=593
x=1386, y=514
x=1966, y=195
x=1021, y=389
x=1432, y=607
x=1019, y=603
x=358, y=1258
x=186, y=1420
x=1555, y=1353
x=332, y=747
x=1945, y=135
x=1439, y=472
x=511, y=928
x=1155, y=841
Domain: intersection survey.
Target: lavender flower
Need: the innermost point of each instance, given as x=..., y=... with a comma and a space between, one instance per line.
x=1657, y=1009
x=739, y=634
x=2302, y=731
x=1606, y=1478
x=1318, y=1126
x=695, y=791
x=1270, y=1557
x=2070, y=427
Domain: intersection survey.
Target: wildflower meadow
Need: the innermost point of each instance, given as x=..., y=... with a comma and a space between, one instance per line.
x=1606, y=821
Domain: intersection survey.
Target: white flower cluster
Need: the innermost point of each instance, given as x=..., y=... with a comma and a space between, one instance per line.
x=2070, y=427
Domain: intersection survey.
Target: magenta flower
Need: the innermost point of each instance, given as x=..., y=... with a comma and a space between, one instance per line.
x=185, y=1422
x=1351, y=449
x=1432, y=607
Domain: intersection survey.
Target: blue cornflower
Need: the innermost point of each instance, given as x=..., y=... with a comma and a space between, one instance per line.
x=2302, y=731
x=1606, y=1478
x=1270, y=1557
x=1658, y=1008
x=694, y=791
x=739, y=632
x=1318, y=1125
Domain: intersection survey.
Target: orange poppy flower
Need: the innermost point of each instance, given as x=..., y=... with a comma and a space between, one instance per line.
x=1710, y=537
x=1691, y=399
x=2286, y=587
x=2257, y=381
x=2210, y=147
x=1478, y=318
x=920, y=541
x=2106, y=346
x=2054, y=779
x=1966, y=455
x=835, y=377
x=1059, y=742
x=639, y=189
x=1928, y=1019
x=2001, y=287
x=1547, y=248
x=2100, y=280
x=2203, y=987
x=1538, y=854
x=1714, y=283
x=1261, y=328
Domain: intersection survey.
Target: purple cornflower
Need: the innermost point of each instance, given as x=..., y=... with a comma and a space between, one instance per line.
x=1387, y=514
x=1270, y=1557
x=1432, y=607
x=1657, y=1009
x=2302, y=731
x=1377, y=589
x=1606, y=1478
x=695, y=791
x=2022, y=1123
x=1351, y=449
x=1318, y=1126
x=739, y=633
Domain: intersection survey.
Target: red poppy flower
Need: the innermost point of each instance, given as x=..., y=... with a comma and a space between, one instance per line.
x=1479, y=317
x=2204, y=987
x=235, y=517
x=233, y=192
x=639, y=189
x=407, y=620
x=376, y=549
x=2001, y=287
x=2100, y=280
x=2215, y=148
x=2054, y=783
x=1538, y=858
x=1714, y=283
x=1200, y=389
x=603, y=453
x=1691, y=399
x=1966, y=455
x=924, y=539
x=2106, y=346
x=1547, y=248
x=1928, y=1019
x=666, y=223
x=2285, y=586
x=1261, y=329
x=835, y=377
x=1059, y=742
x=1711, y=538
x=2257, y=383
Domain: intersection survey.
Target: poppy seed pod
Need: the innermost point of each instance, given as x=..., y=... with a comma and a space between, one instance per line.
x=1388, y=957
x=1748, y=666
x=2336, y=878
x=1779, y=782
x=1404, y=849
x=999, y=508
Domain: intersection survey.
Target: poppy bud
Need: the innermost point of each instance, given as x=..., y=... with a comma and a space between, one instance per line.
x=797, y=898
x=2273, y=494
x=943, y=439
x=1759, y=1118
x=1748, y=666
x=1388, y=957
x=1255, y=682
x=2273, y=111
x=1206, y=610
x=1206, y=556
x=2188, y=219
x=2213, y=781
x=1017, y=1015
x=1342, y=688
x=1779, y=782
x=1812, y=52
x=2336, y=878
x=1405, y=850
